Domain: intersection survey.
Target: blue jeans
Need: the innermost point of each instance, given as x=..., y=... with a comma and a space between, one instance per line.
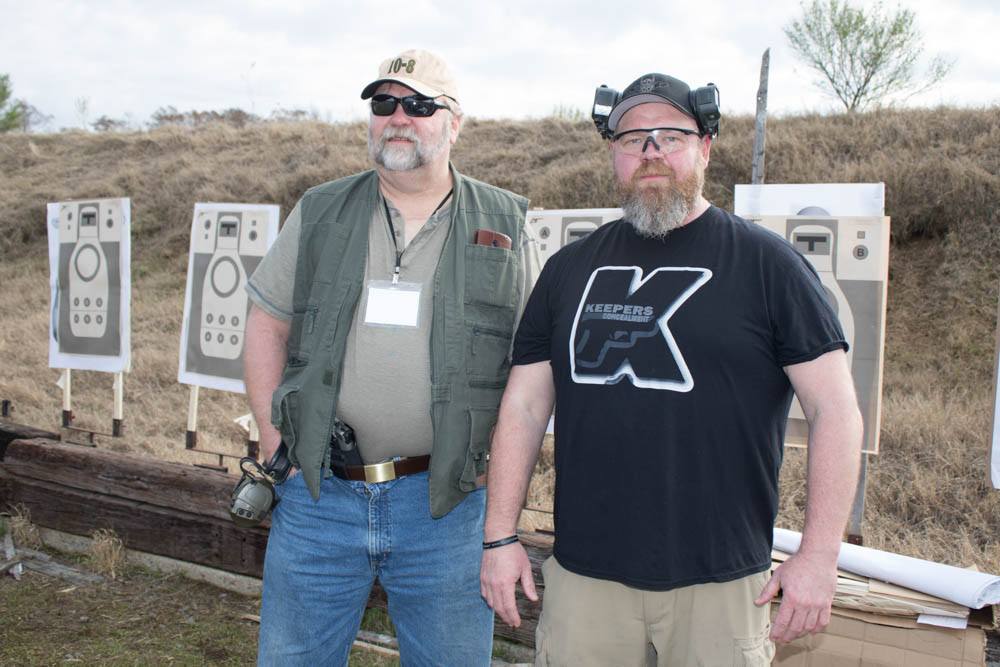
x=323, y=556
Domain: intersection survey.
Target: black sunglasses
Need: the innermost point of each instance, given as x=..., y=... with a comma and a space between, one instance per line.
x=413, y=105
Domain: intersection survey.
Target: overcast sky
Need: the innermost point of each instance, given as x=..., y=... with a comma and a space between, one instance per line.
x=513, y=59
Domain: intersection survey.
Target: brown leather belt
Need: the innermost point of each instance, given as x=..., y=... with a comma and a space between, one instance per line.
x=374, y=473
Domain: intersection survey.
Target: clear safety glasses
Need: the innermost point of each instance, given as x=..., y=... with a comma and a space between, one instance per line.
x=664, y=139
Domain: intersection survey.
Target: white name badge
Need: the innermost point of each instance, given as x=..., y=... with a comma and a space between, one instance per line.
x=392, y=305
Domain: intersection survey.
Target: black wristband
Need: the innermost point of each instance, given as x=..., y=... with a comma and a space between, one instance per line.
x=500, y=543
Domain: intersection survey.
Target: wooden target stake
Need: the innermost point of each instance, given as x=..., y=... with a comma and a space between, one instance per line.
x=118, y=412
x=67, y=407
x=191, y=438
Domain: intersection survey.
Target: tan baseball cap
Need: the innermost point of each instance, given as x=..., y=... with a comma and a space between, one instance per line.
x=420, y=70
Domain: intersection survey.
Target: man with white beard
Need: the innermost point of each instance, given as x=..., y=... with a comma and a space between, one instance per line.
x=377, y=350
x=670, y=343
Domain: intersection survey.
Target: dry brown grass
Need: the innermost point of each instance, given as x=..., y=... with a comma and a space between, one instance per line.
x=107, y=553
x=24, y=533
x=928, y=491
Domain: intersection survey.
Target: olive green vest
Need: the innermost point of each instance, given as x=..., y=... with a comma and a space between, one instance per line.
x=475, y=297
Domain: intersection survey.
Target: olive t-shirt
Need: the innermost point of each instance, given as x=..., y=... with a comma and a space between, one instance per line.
x=385, y=392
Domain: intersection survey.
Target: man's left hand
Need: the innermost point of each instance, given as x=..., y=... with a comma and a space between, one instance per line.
x=807, y=583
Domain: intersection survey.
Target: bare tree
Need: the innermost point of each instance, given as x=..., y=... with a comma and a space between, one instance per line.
x=82, y=105
x=108, y=124
x=863, y=56
x=32, y=118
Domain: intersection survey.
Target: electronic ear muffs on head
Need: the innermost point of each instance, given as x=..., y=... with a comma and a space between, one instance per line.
x=701, y=104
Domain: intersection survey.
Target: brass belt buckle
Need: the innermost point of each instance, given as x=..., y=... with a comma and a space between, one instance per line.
x=380, y=472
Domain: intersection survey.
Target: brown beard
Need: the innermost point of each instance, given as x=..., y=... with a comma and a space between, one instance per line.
x=655, y=209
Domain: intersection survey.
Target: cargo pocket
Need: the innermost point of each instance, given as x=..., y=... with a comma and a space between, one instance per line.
x=285, y=412
x=300, y=335
x=481, y=423
x=542, y=657
x=541, y=648
x=755, y=651
x=488, y=361
x=490, y=276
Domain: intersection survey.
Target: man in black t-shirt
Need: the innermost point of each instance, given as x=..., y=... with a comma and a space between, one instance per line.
x=670, y=343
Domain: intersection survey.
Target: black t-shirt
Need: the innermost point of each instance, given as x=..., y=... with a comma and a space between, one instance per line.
x=671, y=398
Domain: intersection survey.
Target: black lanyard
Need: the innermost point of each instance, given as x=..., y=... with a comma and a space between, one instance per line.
x=392, y=230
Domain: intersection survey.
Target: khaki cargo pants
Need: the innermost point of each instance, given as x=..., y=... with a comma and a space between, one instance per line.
x=587, y=621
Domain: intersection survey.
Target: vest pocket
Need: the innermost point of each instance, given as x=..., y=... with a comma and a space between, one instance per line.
x=300, y=336
x=490, y=276
x=285, y=412
x=481, y=423
x=488, y=359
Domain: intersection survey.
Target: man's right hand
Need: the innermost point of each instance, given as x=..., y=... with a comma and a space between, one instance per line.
x=502, y=567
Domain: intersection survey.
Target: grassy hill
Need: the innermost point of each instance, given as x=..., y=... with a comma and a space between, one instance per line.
x=928, y=491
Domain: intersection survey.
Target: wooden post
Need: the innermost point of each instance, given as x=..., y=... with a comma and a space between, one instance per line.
x=253, y=439
x=760, y=125
x=118, y=413
x=191, y=438
x=6, y=407
x=67, y=409
x=993, y=455
x=854, y=524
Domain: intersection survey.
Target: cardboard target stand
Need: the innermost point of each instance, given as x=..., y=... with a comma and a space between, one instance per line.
x=851, y=257
x=90, y=294
x=840, y=228
x=228, y=242
x=560, y=227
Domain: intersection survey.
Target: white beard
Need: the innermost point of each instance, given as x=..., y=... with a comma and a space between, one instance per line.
x=396, y=157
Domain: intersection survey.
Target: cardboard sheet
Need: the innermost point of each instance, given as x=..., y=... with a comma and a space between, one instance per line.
x=853, y=639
